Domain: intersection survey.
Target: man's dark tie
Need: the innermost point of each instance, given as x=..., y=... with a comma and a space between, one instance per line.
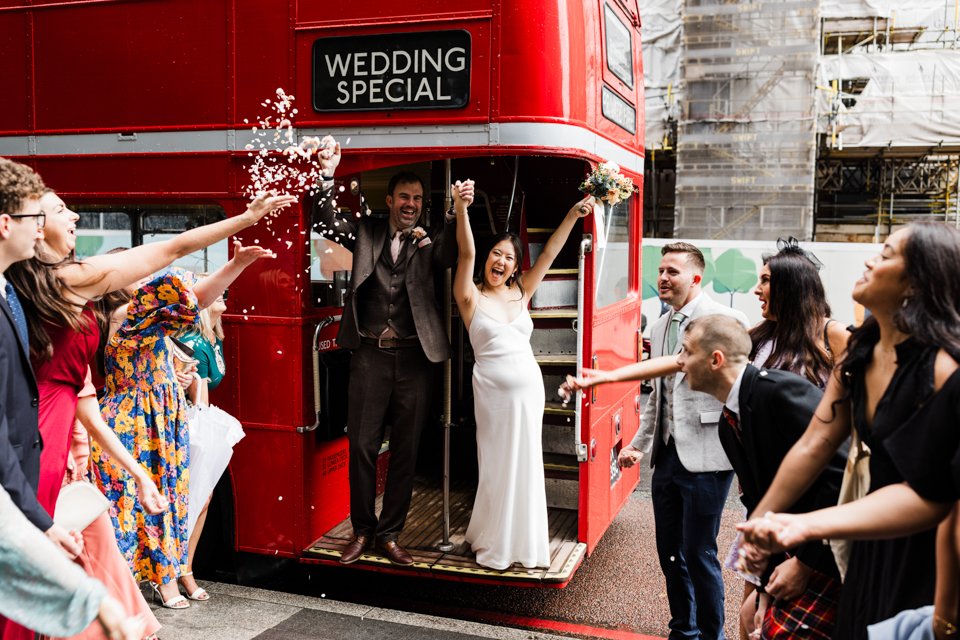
x=18, y=318
x=732, y=420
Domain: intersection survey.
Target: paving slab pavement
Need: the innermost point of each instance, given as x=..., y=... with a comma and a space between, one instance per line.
x=244, y=613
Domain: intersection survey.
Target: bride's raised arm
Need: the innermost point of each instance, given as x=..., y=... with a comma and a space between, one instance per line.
x=464, y=290
x=532, y=278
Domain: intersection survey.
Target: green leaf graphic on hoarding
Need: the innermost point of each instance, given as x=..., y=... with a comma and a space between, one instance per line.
x=734, y=273
x=649, y=266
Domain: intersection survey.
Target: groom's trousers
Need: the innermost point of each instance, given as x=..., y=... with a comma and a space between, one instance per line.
x=387, y=387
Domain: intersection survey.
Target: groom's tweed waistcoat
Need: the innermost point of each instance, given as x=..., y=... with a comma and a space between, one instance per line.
x=387, y=284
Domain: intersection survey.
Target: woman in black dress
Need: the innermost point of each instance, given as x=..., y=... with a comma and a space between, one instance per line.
x=894, y=363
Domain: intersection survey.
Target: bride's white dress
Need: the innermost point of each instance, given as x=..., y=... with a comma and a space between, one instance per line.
x=509, y=521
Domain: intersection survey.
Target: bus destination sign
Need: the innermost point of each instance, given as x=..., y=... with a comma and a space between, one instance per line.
x=423, y=70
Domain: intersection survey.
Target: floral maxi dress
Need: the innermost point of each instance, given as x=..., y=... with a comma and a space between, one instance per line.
x=145, y=406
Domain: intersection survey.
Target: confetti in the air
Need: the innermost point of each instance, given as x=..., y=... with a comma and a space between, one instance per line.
x=280, y=163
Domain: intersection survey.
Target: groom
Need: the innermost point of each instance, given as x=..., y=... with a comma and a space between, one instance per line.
x=395, y=330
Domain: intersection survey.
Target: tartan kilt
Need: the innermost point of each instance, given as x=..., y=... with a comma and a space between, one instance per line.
x=810, y=615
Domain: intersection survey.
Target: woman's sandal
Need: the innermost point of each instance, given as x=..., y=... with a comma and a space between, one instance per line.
x=176, y=602
x=200, y=594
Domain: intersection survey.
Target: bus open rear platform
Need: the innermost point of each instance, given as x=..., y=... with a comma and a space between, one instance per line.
x=424, y=531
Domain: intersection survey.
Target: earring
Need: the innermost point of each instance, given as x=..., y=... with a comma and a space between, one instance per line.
x=906, y=301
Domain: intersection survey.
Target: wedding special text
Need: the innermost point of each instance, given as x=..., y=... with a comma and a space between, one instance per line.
x=427, y=70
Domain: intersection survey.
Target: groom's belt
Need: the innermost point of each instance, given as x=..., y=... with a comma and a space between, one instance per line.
x=391, y=343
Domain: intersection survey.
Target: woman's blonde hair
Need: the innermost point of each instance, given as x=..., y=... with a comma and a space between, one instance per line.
x=210, y=331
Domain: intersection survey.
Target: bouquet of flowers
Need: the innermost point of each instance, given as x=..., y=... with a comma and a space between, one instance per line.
x=607, y=184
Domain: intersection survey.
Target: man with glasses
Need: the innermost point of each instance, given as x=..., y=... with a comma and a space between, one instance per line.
x=21, y=224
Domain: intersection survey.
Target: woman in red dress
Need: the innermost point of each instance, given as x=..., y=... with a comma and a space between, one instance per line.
x=55, y=291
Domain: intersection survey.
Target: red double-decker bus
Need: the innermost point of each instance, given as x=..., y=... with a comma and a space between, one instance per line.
x=139, y=112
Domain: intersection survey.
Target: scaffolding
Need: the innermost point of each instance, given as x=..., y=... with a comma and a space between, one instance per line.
x=746, y=135
x=833, y=119
x=889, y=132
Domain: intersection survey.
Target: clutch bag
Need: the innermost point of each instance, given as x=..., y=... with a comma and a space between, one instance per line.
x=79, y=504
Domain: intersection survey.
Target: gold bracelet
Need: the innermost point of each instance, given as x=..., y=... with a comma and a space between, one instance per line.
x=944, y=626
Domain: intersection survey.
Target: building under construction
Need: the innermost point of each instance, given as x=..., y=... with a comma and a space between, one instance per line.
x=821, y=119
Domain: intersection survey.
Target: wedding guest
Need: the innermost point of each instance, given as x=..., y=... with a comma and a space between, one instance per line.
x=796, y=333
x=145, y=406
x=714, y=360
x=509, y=520
x=206, y=340
x=926, y=451
x=21, y=223
x=61, y=323
x=100, y=557
x=393, y=327
x=692, y=475
x=45, y=592
x=896, y=360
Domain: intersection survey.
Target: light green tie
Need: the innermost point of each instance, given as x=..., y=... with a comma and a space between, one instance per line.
x=675, y=322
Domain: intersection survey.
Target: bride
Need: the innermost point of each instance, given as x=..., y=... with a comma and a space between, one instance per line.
x=509, y=520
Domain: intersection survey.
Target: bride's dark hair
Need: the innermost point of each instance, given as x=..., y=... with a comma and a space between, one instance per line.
x=517, y=251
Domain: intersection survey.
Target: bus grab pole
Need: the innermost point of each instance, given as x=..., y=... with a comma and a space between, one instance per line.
x=445, y=544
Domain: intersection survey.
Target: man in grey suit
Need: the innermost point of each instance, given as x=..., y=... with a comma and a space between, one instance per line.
x=692, y=474
x=394, y=328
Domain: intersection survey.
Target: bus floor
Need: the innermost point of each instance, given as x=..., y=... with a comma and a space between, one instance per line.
x=423, y=534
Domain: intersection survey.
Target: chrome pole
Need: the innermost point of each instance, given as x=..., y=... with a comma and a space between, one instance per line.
x=445, y=544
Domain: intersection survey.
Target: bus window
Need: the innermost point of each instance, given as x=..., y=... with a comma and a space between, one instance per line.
x=619, y=46
x=611, y=270
x=105, y=227
x=101, y=230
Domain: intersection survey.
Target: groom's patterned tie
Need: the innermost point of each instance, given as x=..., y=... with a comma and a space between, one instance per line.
x=18, y=318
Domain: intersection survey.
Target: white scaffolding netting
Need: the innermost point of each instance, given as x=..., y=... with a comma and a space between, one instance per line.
x=890, y=82
x=662, y=39
x=892, y=76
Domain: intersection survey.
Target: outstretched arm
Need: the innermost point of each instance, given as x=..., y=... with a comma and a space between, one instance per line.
x=828, y=428
x=210, y=288
x=532, y=278
x=891, y=512
x=102, y=274
x=652, y=368
x=464, y=291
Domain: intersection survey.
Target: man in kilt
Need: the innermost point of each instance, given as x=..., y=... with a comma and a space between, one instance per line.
x=765, y=412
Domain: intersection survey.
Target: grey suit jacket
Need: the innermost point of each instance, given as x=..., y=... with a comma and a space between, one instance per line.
x=366, y=238
x=695, y=414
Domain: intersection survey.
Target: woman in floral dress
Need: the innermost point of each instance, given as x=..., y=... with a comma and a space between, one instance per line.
x=145, y=406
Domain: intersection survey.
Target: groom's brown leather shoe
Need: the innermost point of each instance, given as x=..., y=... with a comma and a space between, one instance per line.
x=394, y=552
x=353, y=551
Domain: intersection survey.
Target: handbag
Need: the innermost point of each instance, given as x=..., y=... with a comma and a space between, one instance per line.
x=213, y=434
x=79, y=504
x=855, y=485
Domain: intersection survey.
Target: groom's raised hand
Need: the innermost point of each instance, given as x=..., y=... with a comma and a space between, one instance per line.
x=329, y=155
